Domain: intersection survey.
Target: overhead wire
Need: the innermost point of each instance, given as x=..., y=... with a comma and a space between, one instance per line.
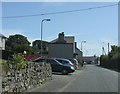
x=60, y=12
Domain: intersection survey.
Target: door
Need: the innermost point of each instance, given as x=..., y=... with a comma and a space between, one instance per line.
x=56, y=67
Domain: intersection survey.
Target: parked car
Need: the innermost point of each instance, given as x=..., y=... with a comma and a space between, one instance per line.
x=64, y=61
x=63, y=66
x=57, y=66
x=89, y=62
x=75, y=63
x=39, y=60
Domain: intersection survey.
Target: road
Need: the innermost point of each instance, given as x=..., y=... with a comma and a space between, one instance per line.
x=0, y=84
x=90, y=79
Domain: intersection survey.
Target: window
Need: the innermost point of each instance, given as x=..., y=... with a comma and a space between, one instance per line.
x=62, y=61
x=52, y=61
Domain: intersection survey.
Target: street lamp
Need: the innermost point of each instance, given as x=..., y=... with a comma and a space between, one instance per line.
x=42, y=32
x=81, y=44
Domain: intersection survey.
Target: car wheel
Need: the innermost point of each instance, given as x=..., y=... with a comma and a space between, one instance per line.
x=65, y=72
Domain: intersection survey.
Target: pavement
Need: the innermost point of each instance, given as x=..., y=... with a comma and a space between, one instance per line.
x=90, y=79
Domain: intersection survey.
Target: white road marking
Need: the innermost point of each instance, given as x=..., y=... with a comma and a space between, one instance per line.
x=67, y=85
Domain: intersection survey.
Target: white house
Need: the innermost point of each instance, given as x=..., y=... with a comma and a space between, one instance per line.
x=2, y=42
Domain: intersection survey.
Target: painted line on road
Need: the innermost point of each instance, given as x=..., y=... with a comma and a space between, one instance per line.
x=61, y=90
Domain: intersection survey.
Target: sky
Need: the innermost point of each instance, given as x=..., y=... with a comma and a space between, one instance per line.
x=97, y=27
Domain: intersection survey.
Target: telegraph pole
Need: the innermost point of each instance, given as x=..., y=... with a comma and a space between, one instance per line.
x=108, y=47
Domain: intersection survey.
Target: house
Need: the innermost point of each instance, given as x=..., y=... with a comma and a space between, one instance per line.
x=90, y=59
x=64, y=47
x=2, y=42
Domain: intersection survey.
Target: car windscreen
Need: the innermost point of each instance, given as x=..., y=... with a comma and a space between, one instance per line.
x=53, y=62
x=72, y=60
x=62, y=61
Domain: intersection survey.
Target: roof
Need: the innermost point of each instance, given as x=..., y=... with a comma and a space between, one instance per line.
x=68, y=39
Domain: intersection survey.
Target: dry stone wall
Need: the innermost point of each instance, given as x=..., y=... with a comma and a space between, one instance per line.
x=32, y=75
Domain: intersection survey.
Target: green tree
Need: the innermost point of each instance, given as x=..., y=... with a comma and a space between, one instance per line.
x=37, y=46
x=18, y=44
x=114, y=49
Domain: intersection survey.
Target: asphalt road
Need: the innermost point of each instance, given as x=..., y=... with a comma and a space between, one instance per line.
x=90, y=79
x=0, y=84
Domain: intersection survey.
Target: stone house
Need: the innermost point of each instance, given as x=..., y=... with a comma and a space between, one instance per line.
x=64, y=47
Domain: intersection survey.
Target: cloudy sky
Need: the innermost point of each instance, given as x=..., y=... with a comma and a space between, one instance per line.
x=96, y=26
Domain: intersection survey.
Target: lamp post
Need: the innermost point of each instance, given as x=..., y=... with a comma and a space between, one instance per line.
x=81, y=44
x=42, y=32
x=108, y=44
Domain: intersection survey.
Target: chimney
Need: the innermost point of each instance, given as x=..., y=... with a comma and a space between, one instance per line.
x=61, y=38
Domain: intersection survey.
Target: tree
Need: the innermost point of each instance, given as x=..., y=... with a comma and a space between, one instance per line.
x=114, y=49
x=115, y=52
x=18, y=44
x=37, y=46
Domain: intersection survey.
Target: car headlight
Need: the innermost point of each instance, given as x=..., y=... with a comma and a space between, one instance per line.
x=72, y=68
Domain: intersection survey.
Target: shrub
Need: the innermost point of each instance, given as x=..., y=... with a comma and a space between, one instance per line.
x=18, y=60
x=6, y=54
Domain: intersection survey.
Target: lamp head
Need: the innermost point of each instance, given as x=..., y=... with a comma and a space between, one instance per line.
x=47, y=19
x=84, y=41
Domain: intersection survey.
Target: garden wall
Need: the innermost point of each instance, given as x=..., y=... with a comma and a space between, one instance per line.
x=32, y=75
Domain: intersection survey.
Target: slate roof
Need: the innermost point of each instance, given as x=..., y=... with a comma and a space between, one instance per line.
x=68, y=39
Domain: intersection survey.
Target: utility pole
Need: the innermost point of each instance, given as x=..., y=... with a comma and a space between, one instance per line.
x=103, y=51
x=108, y=47
x=81, y=44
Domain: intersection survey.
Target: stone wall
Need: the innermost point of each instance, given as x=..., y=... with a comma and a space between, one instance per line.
x=32, y=75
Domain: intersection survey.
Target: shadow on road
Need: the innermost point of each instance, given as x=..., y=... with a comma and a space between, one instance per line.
x=56, y=73
x=117, y=70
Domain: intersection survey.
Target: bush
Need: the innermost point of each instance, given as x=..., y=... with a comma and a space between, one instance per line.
x=6, y=54
x=18, y=60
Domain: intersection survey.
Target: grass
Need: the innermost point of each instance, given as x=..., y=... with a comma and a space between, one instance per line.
x=3, y=66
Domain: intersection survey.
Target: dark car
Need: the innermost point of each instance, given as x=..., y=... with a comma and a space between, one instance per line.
x=59, y=67
x=64, y=61
x=89, y=62
x=39, y=60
